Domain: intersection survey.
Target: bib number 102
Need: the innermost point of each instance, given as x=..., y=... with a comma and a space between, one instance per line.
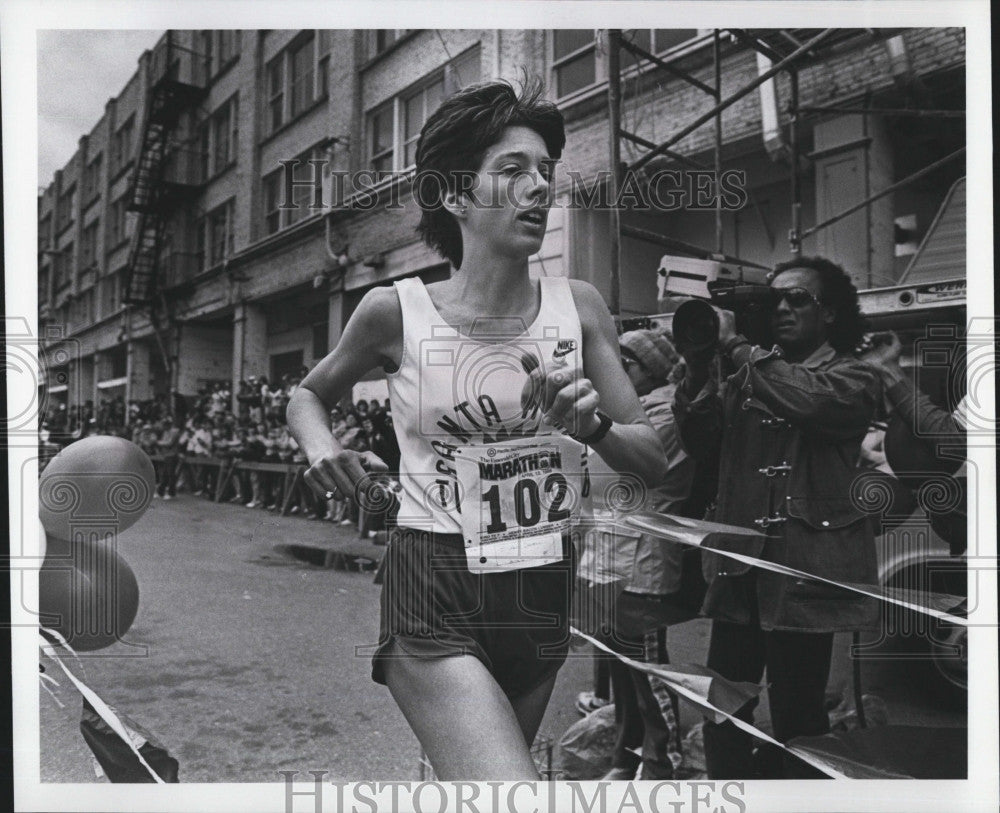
x=528, y=504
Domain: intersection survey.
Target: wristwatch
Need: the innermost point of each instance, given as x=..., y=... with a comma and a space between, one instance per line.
x=599, y=433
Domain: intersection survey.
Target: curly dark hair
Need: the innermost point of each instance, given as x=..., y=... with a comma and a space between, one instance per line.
x=839, y=293
x=454, y=140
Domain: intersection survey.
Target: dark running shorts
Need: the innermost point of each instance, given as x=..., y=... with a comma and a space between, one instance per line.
x=516, y=622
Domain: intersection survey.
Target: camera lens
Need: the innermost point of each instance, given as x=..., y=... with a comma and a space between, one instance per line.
x=695, y=325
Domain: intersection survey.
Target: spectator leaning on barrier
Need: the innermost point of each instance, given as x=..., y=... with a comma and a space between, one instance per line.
x=787, y=427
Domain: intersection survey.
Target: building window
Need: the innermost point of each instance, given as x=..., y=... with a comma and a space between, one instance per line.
x=45, y=233
x=393, y=128
x=117, y=232
x=301, y=61
x=381, y=124
x=272, y=199
x=121, y=146
x=382, y=39
x=204, y=152
x=297, y=78
x=218, y=233
x=229, y=47
x=276, y=92
x=577, y=63
x=65, y=208
x=324, y=41
x=302, y=194
x=219, y=49
x=92, y=178
x=219, y=139
x=62, y=264
x=208, y=50
x=82, y=310
x=110, y=293
x=574, y=60
x=88, y=245
x=43, y=286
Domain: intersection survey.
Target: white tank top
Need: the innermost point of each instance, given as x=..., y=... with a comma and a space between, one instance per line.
x=452, y=390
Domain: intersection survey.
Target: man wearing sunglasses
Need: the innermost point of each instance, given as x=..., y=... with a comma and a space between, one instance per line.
x=785, y=429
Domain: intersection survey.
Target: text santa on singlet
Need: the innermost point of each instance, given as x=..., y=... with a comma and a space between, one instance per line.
x=475, y=459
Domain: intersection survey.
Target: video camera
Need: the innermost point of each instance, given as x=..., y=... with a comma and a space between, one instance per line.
x=745, y=292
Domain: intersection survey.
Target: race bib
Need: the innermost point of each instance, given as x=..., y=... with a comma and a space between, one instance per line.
x=518, y=499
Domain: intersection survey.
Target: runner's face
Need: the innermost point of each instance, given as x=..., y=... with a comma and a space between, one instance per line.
x=509, y=209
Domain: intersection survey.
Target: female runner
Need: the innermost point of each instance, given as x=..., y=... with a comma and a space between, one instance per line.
x=470, y=652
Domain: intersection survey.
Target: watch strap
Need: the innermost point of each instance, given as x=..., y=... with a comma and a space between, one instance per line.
x=599, y=433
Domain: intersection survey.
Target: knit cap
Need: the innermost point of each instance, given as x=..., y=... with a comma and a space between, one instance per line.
x=652, y=349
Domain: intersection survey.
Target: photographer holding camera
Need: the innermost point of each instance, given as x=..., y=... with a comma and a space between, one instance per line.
x=791, y=420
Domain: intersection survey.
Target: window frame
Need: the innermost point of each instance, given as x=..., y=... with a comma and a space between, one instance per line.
x=109, y=296
x=699, y=40
x=397, y=105
x=45, y=231
x=89, y=240
x=218, y=59
x=229, y=111
x=121, y=146
x=315, y=80
x=371, y=40
x=92, y=179
x=303, y=85
x=66, y=208
x=555, y=63
x=278, y=62
x=271, y=210
x=117, y=228
x=62, y=268
x=227, y=211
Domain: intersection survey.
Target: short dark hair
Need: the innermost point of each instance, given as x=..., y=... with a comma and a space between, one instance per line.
x=455, y=138
x=839, y=293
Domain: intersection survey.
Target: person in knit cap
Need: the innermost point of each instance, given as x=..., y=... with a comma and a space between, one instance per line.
x=655, y=595
x=648, y=357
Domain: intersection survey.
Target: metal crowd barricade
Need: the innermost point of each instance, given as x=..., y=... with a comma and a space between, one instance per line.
x=226, y=468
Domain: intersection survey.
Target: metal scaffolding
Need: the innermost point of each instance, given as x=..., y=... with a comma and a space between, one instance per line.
x=786, y=51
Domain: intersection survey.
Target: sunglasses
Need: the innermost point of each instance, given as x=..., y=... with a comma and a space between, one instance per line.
x=795, y=297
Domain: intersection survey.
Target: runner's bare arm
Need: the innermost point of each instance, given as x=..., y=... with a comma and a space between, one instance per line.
x=632, y=444
x=372, y=337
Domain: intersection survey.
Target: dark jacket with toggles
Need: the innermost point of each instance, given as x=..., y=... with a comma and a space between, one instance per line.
x=788, y=437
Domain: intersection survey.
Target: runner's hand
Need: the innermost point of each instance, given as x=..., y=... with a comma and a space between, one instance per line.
x=564, y=396
x=340, y=472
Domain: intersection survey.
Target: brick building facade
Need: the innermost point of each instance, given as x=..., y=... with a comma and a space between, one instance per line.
x=235, y=283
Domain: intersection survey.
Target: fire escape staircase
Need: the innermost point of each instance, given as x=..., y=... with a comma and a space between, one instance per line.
x=153, y=192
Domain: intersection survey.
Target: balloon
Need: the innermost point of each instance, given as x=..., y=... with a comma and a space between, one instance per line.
x=98, y=484
x=91, y=589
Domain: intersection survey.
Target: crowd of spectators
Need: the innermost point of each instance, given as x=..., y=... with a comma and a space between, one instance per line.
x=189, y=436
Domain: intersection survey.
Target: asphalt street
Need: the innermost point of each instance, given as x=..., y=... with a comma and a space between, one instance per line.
x=244, y=661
